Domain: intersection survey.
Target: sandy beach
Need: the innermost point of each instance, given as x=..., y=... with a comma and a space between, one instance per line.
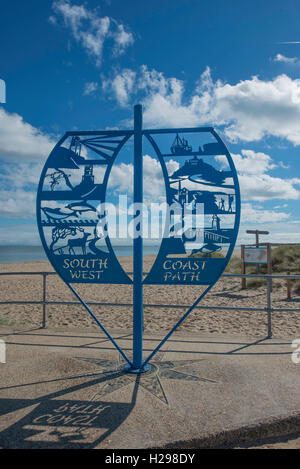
x=227, y=292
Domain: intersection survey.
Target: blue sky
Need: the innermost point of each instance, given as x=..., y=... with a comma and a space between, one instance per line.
x=83, y=65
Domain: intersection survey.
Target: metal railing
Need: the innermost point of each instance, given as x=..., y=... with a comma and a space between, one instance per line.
x=268, y=309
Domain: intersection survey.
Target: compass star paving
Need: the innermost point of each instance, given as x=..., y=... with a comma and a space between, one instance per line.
x=152, y=380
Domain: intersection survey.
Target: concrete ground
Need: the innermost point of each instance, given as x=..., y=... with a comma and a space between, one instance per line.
x=68, y=389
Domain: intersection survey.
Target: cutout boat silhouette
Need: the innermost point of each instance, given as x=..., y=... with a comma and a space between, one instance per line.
x=180, y=146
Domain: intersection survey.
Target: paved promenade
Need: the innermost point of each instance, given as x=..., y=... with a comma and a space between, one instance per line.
x=68, y=389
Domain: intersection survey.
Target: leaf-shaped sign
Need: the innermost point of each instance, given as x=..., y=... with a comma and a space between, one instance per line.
x=200, y=224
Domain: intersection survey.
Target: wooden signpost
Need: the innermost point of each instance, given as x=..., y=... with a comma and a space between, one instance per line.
x=259, y=254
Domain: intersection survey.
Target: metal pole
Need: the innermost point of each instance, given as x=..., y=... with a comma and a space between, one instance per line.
x=269, y=307
x=137, y=366
x=257, y=245
x=44, y=302
x=288, y=287
x=269, y=265
x=243, y=266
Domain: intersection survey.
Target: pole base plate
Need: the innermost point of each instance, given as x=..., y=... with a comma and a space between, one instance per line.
x=142, y=369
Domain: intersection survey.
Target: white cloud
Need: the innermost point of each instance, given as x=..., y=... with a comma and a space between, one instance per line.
x=161, y=96
x=286, y=60
x=20, y=141
x=121, y=178
x=52, y=19
x=251, y=214
x=154, y=186
x=90, y=88
x=18, y=183
x=17, y=203
x=249, y=110
x=264, y=187
x=121, y=86
x=20, y=175
x=256, y=183
x=254, y=108
x=123, y=39
x=91, y=30
x=251, y=162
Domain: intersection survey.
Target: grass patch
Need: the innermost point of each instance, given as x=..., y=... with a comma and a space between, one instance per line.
x=284, y=259
x=4, y=322
x=296, y=286
x=234, y=266
x=203, y=254
x=255, y=282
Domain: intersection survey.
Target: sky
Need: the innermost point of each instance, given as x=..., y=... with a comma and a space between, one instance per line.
x=82, y=65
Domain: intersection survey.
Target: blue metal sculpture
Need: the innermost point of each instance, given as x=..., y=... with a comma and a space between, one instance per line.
x=74, y=182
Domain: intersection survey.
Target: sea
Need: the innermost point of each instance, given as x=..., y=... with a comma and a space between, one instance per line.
x=10, y=254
